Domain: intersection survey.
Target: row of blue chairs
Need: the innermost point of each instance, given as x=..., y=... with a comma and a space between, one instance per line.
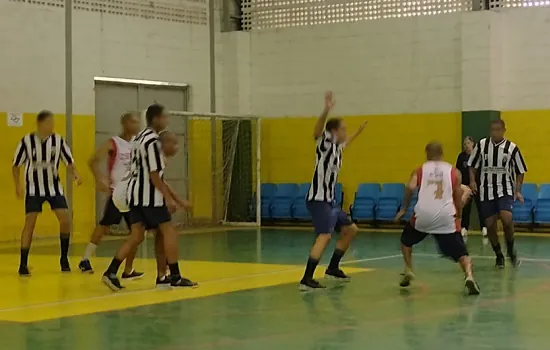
x=536, y=206
x=287, y=201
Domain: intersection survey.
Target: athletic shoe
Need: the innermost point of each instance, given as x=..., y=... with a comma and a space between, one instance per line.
x=306, y=285
x=182, y=282
x=464, y=233
x=163, y=282
x=337, y=274
x=485, y=240
x=471, y=286
x=406, y=279
x=499, y=261
x=24, y=271
x=65, y=266
x=85, y=266
x=111, y=281
x=132, y=275
x=514, y=260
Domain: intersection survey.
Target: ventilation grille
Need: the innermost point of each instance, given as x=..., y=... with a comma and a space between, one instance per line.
x=184, y=11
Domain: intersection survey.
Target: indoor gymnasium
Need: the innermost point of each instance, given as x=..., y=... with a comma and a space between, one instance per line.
x=254, y=220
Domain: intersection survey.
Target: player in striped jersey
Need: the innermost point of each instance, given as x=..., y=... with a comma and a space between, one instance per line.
x=117, y=150
x=40, y=152
x=150, y=200
x=332, y=138
x=437, y=212
x=502, y=170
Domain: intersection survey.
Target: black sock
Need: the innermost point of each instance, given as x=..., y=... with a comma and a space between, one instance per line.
x=174, y=270
x=310, y=268
x=497, y=249
x=24, y=256
x=510, y=247
x=336, y=257
x=115, y=265
x=64, y=239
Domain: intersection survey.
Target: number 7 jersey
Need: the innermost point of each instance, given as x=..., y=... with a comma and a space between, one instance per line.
x=435, y=211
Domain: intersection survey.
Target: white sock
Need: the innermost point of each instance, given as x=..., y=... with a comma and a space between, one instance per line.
x=90, y=250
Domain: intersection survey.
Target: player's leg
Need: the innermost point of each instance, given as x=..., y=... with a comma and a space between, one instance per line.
x=506, y=204
x=465, y=223
x=481, y=219
x=452, y=246
x=33, y=207
x=111, y=216
x=324, y=221
x=409, y=238
x=163, y=281
x=490, y=213
x=60, y=208
x=170, y=237
x=129, y=272
x=137, y=233
x=348, y=231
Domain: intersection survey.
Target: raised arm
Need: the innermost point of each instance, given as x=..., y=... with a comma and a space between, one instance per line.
x=409, y=190
x=19, y=159
x=320, y=125
x=101, y=153
x=355, y=134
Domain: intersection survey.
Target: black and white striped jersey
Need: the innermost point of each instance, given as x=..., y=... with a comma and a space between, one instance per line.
x=498, y=165
x=146, y=158
x=41, y=160
x=328, y=160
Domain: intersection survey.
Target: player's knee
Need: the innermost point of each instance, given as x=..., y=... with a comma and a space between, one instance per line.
x=64, y=224
x=30, y=222
x=351, y=230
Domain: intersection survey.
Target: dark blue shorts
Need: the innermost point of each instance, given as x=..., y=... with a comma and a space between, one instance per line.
x=492, y=208
x=150, y=217
x=450, y=245
x=33, y=204
x=113, y=216
x=325, y=218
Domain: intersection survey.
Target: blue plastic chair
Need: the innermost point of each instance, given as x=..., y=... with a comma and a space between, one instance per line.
x=523, y=214
x=267, y=194
x=542, y=207
x=389, y=201
x=365, y=201
x=299, y=208
x=281, y=206
x=338, y=196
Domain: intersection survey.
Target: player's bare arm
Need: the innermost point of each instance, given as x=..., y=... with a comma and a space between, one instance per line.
x=76, y=176
x=101, y=153
x=355, y=134
x=519, y=184
x=409, y=190
x=163, y=188
x=17, y=182
x=320, y=125
x=458, y=194
x=182, y=203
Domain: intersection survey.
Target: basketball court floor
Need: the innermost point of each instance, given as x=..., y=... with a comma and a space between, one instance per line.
x=248, y=299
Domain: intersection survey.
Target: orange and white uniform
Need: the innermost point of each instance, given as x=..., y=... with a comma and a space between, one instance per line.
x=435, y=211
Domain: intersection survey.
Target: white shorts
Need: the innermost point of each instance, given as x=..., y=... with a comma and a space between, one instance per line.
x=120, y=197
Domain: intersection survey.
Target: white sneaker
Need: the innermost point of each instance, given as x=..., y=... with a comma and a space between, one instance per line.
x=485, y=240
x=464, y=233
x=484, y=231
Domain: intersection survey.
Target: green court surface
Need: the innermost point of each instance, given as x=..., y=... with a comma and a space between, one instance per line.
x=249, y=299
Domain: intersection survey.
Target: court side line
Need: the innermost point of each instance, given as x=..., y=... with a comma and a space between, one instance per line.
x=225, y=279
x=487, y=257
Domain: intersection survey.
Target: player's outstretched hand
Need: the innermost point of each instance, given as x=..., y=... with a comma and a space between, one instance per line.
x=400, y=215
x=185, y=204
x=329, y=101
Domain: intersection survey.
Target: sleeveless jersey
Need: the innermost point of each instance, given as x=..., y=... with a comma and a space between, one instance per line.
x=435, y=211
x=119, y=160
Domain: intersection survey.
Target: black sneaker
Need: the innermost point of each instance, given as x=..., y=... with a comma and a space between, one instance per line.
x=406, y=279
x=132, y=275
x=182, y=282
x=514, y=260
x=111, y=281
x=307, y=285
x=65, y=266
x=471, y=286
x=85, y=266
x=163, y=282
x=337, y=274
x=24, y=271
x=499, y=261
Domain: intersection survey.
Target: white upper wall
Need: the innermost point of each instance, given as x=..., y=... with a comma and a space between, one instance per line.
x=33, y=65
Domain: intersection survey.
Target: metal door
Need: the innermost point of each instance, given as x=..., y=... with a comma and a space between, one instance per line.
x=113, y=97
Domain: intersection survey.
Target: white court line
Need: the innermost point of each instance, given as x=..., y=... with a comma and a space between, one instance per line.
x=122, y=294
x=487, y=257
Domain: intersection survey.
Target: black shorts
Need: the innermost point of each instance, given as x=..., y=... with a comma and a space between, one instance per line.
x=33, y=204
x=150, y=217
x=450, y=245
x=495, y=206
x=112, y=216
x=326, y=218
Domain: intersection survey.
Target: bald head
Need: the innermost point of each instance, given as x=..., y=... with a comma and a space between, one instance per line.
x=434, y=151
x=130, y=124
x=169, y=141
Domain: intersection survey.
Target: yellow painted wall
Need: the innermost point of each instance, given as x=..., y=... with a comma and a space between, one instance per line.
x=13, y=211
x=530, y=130
x=388, y=150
